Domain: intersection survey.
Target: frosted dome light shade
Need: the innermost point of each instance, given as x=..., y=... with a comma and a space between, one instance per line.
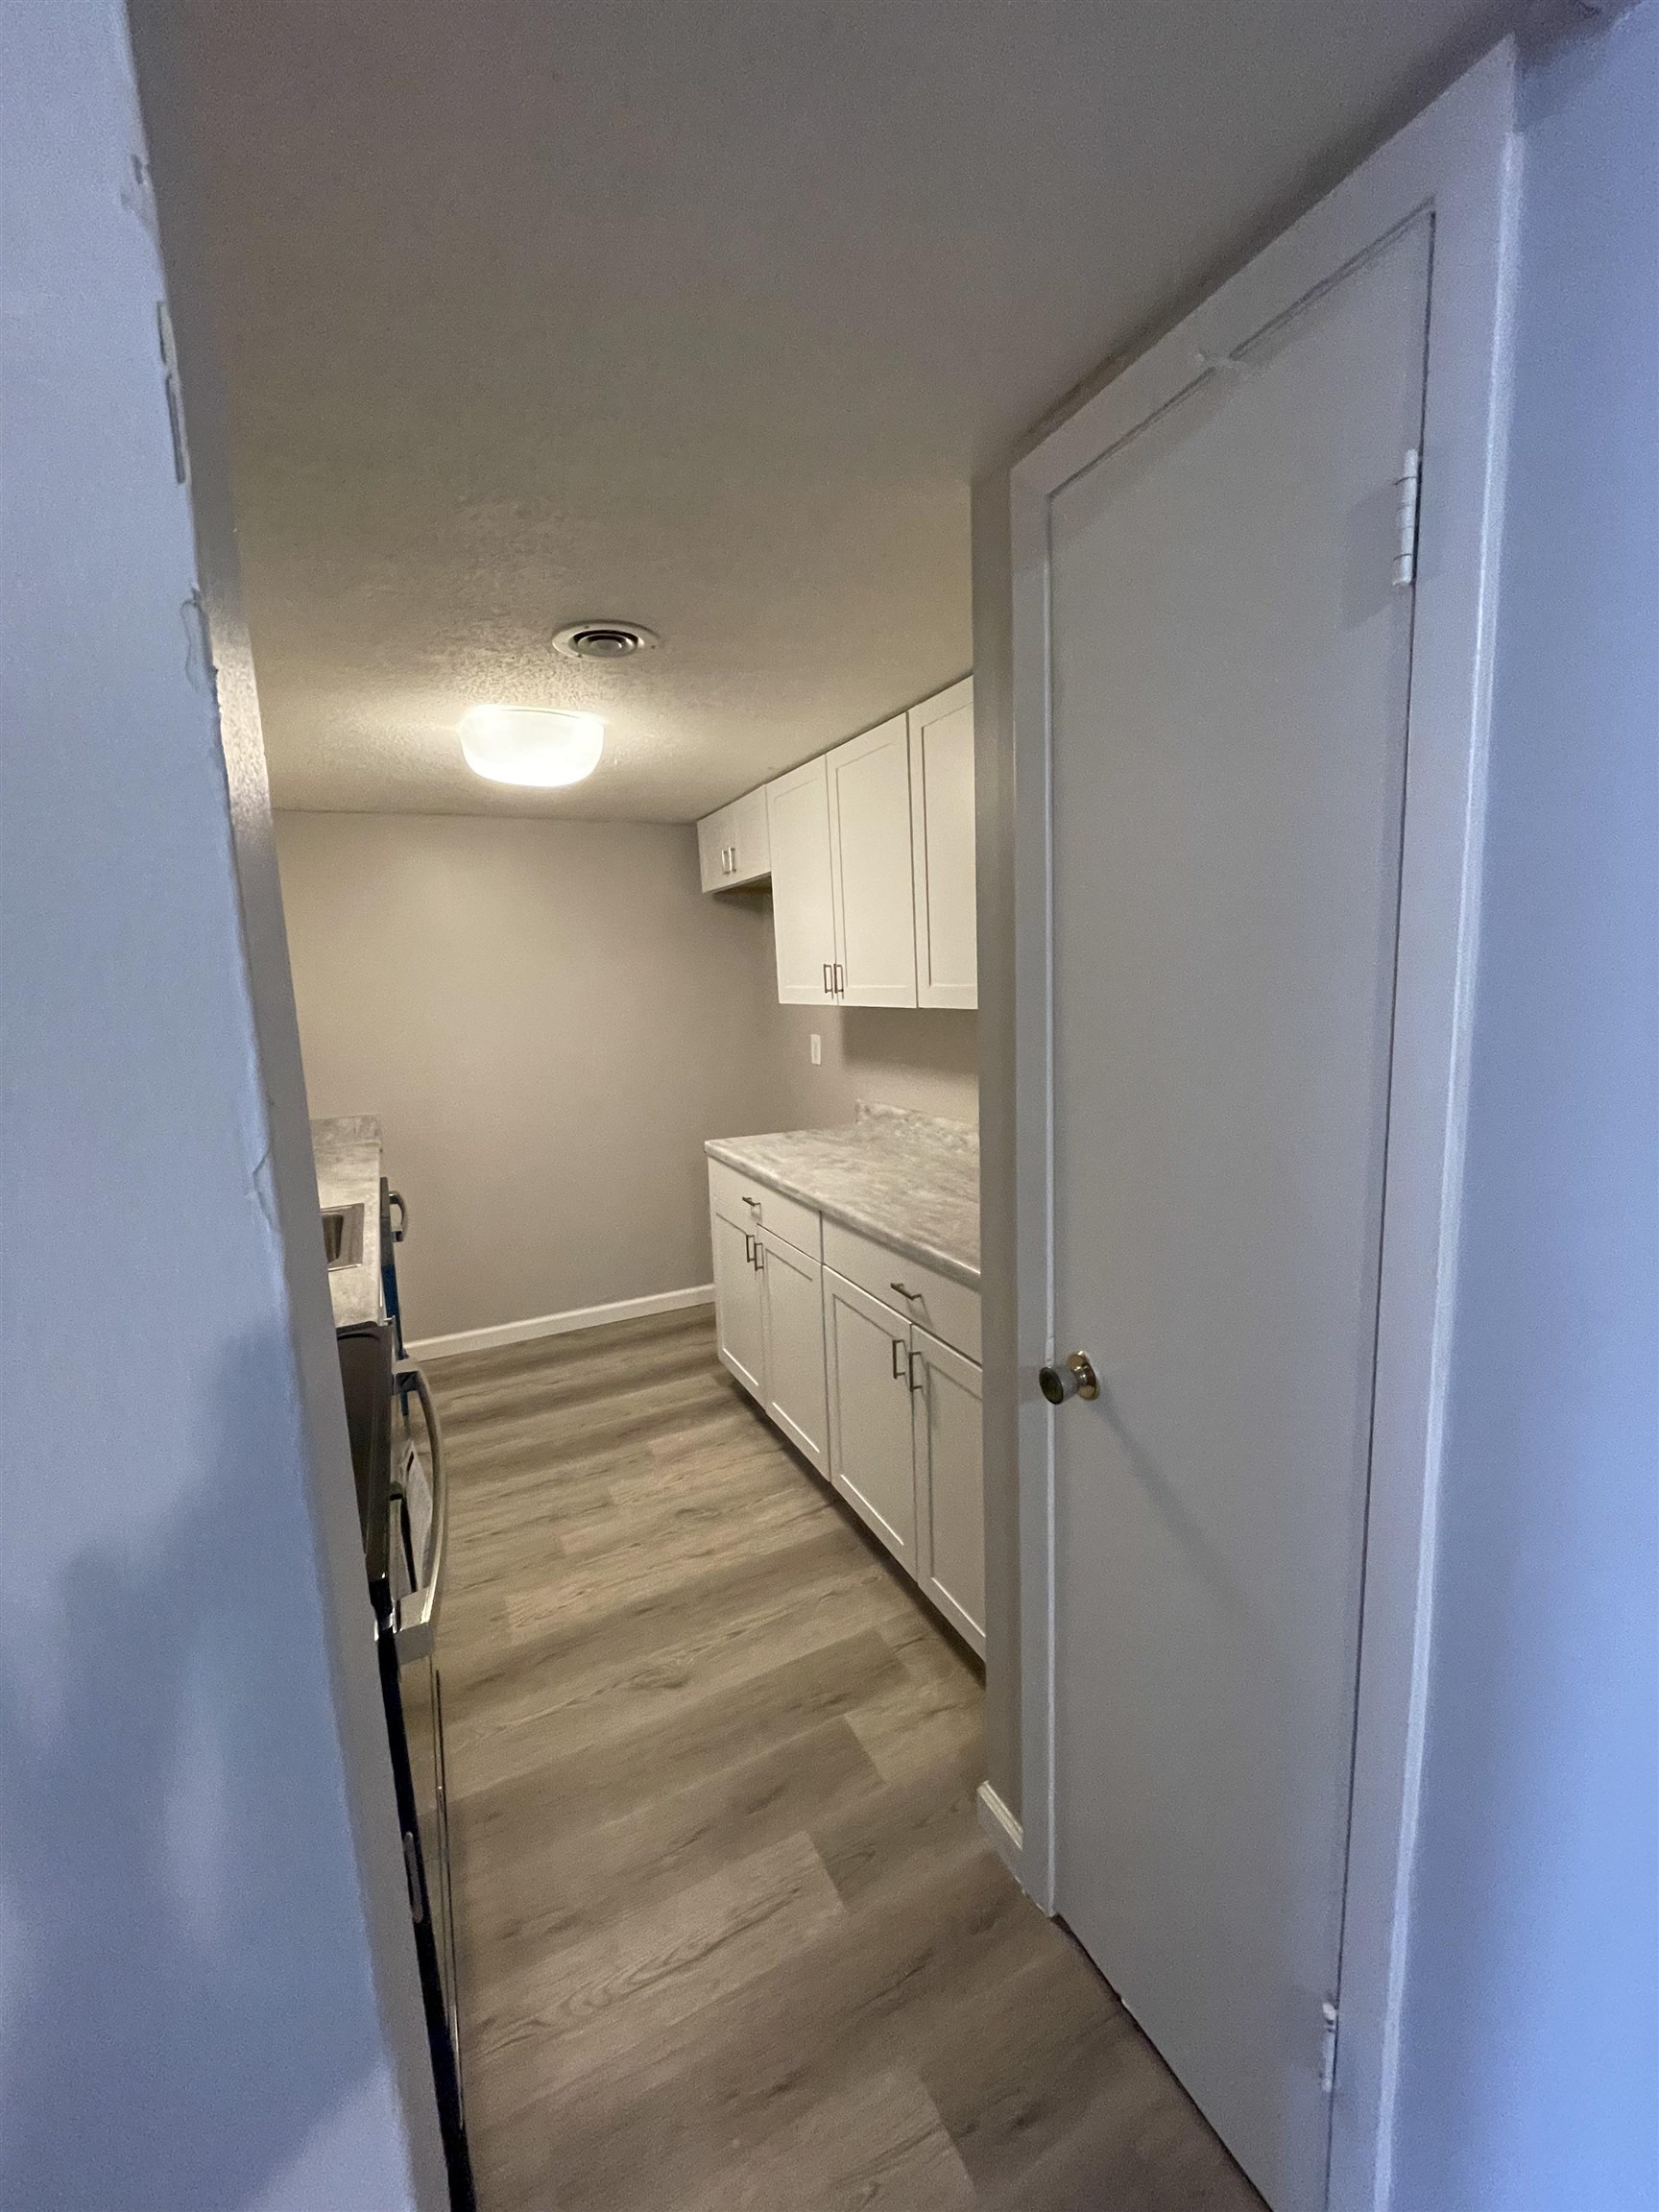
x=537, y=746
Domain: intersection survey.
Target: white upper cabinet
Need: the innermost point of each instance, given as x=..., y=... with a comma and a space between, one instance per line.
x=871, y=854
x=733, y=845
x=713, y=849
x=870, y=834
x=942, y=839
x=751, y=837
x=803, y=903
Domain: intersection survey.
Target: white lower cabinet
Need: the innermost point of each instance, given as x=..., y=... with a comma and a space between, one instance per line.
x=739, y=1317
x=872, y=1455
x=886, y=1410
x=869, y=791
x=949, y=1484
x=793, y=1384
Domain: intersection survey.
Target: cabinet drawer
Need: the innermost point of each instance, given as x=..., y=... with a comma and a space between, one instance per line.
x=947, y=1309
x=755, y=1205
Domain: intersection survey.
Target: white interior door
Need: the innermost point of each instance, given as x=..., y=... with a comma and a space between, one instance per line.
x=875, y=905
x=942, y=838
x=803, y=884
x=739, y=1322
x=945, y=1393
x=866, y=1351
x=1229, y=661
x=795, y=1393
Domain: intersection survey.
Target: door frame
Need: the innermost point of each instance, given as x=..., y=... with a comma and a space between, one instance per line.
x=1458, y=161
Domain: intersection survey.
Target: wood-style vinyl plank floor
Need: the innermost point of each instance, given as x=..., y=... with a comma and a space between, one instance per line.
x=730, y=1939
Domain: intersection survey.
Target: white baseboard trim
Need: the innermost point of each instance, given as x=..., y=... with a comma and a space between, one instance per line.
x=561, y=1324
x=1006, y=1836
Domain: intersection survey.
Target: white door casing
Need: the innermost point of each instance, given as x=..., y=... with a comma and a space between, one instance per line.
x=949, y=1452
x=872, y=1460
x=804, y=906
x=1455, y=164
x=942, y=839
x=794, y=1392
x=869, y=780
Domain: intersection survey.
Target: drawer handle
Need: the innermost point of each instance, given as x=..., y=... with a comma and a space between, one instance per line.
x=904, y=1292
x=754, y=1205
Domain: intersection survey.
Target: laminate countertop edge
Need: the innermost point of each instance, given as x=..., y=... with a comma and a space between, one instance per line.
x=347, y=1151
x=872, y=1219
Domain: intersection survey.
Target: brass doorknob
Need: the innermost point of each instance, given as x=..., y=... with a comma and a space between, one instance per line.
x=1073, y=1377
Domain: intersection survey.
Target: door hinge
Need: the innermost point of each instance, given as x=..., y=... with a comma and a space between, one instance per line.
x=1409, y=486
x=175, y=399
x=1328, y=2046
x=412, y=1875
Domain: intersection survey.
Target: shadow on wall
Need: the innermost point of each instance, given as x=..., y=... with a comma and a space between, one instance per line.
x=935, y=1047
x=164, y=1809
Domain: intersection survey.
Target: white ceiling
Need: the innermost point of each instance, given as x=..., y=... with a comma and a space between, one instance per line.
x=702, y=313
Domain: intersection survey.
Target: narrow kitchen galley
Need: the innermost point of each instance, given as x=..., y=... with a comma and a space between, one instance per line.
x=688, y=1614
x=833, y=1375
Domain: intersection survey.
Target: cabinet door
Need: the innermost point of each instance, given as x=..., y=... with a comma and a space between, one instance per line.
x=751, y=844
x=949, y=1485
x=739, y=1326
x=794, y=1395
x=941, y=837
x=874, y=903
x=713, y=845
x=867, y=1359
x=803, y=884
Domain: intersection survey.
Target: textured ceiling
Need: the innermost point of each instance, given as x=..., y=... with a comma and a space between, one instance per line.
x=702, y=315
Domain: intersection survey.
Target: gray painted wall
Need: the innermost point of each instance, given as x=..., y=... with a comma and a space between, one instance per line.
x=549, y=1018
x=927, y=1060
x=1530, y=2054
x=210, y=1996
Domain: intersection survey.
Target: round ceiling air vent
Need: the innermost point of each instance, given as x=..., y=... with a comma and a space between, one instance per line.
x=604, y=640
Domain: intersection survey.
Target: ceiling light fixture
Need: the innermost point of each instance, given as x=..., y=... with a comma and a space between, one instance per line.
x=605, y=640
x=531, y=745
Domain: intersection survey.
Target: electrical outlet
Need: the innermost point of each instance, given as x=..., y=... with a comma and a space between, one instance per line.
x=817, y=1047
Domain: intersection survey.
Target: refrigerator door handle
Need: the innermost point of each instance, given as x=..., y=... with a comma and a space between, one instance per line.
x=418, y=1614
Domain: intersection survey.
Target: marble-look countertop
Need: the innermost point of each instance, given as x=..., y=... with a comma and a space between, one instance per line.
x=909, y=1180
x=347, y=1154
